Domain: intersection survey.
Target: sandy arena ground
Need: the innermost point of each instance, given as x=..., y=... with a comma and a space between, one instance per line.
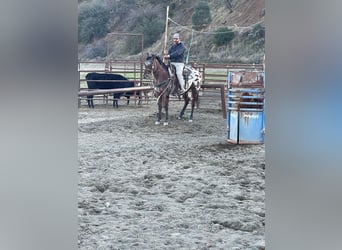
x=180, y=186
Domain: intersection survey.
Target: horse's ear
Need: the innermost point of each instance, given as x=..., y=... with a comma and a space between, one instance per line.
x=147, y=54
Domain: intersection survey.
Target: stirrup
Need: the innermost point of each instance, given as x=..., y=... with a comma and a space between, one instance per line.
x=182, y=91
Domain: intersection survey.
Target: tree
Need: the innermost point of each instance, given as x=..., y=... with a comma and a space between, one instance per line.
x=151, y=26
x=93, y=21
x=201, y=16
x=223, y=36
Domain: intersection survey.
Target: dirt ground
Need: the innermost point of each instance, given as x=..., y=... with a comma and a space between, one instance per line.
x=181, y=186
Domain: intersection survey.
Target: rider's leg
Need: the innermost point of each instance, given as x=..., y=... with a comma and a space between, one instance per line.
x=179, y=71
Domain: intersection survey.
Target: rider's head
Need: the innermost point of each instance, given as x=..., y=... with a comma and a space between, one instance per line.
x=176, y=38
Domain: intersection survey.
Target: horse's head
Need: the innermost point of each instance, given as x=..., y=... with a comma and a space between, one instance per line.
x=154, y=66
x=148, y=66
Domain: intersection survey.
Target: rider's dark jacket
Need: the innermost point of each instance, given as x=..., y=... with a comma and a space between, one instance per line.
x=176, y=52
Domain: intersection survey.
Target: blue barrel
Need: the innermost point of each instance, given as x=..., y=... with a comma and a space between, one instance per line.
x=245, y=114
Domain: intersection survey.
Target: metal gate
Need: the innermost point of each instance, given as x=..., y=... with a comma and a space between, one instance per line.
x=245, y=108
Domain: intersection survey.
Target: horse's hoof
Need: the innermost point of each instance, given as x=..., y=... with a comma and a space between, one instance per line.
x=179, y=118
x=157, y=123
x=166, y=123
x=190, y=120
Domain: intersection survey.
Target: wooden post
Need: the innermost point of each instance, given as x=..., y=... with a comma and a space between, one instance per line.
x=166, y=30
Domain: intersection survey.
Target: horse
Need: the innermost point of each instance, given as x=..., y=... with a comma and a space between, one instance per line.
x=166, y=83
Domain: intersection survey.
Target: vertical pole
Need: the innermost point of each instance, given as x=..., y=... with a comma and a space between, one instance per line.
x=166, y=30
x=223, y=102
x=187, y=57
x=79, y=83
x=141, y=60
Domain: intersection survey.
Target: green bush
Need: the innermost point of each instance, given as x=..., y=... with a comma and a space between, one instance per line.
x=118, y=10
x=98, y=51
x=201, y=16
x=258, y=31
x=223, y=36
x=93, y=21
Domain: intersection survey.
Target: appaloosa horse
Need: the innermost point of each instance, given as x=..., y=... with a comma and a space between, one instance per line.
x=166, y=83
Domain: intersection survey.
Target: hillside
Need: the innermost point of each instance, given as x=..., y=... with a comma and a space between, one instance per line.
x=243, y=17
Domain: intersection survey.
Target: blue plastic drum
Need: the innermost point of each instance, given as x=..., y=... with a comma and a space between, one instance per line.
x=245, y=114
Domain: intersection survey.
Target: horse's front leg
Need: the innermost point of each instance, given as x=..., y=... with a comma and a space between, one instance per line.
x=166, y=107
x=159, y=112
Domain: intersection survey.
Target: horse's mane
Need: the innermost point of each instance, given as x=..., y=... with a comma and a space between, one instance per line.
x=161, y=62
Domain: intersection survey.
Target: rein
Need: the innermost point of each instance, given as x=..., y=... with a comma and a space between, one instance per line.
x=154, y=67
x=155, y=71
x=161, y=84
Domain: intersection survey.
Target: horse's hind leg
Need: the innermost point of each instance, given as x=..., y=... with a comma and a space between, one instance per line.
x=139, y=93
x=197, y=102
x=186, y=102
x=90, y=101
x=146, y=96
x=116, y=101
x=194, y=101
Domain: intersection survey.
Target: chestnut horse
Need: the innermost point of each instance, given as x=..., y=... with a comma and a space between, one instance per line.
x=166, y=83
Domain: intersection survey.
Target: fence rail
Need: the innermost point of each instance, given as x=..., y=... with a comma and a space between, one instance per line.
x=215, y=76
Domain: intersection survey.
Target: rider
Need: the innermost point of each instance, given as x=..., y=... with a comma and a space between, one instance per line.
x=176, y=56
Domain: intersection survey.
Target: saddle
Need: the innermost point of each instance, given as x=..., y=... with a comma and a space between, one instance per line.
x=175, y=87
x=186, y=73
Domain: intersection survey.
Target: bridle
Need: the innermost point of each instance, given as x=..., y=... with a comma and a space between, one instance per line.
x=151, y=69
x=149, y=66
